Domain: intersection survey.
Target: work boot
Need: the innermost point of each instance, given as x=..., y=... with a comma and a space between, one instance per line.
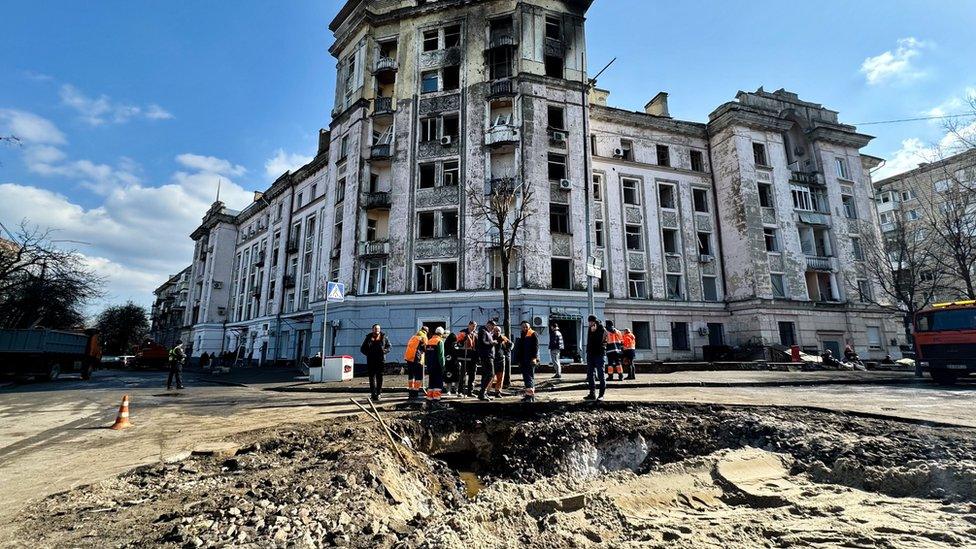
x=621, y=376
x=484, y=397
x=498, y=394
x=631, y=377
x=557, y=376
x=590, y=396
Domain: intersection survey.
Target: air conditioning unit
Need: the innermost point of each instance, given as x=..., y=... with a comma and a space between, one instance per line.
x=618, y=153
x=559, y=137
x=565, y=185
x=447, y=140
x=705, y=258
x=538, y=321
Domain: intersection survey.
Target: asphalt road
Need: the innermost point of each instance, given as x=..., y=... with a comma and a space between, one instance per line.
x=54, y=436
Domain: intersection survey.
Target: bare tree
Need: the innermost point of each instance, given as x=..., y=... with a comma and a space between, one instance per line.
x=504, y=205
x=42, y=283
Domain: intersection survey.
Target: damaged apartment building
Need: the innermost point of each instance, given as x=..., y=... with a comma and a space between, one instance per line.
x=739, y=230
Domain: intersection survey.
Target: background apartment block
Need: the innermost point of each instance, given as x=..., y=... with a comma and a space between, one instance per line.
x=719, y=233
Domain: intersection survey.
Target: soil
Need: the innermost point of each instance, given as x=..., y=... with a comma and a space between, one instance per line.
x=549, y=475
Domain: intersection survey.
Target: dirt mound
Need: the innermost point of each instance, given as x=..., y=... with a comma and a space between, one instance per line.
x=550, y=476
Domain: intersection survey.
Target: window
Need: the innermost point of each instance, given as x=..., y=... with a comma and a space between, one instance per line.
x=448, y=277
x=500, y=63
x=801, y=198
x=344, y=146
x=449, y=223
x=428, y=130
x=554, y=27
x=557, y=167
x=697, y=161
x=370, y=230
x=674, y=287
x=452, y=36
x=765, y=195
x=772, y=240
x=631, y=188
x=451, y=77
x=428, y=82
x=597, y=187
x=431, y=40
x=679, y=336
x=864, y=291
x=858, y=251
x=374, y=277
x=556, y=118
x=841, y=165
x=627, y=146
x=666, y=198
x=912, y=215
x=554, y=66
x=778, y=284
x=425, y=225
x=637, y=285
x=705, y=244
x=670, y=239
x=874, y=337
x=700, y=197
x=451, y=173
x=710, y=288
x=561, y=278
x=313, y=192
x=850, y=208
x=908, y=195
x=886, y=218
x=450, y=126
x=642, y=334
x=301, y=199
x=663, y=155
x=559, y=218
x=787, y=334
x=425, y=278
x=598, y=233
x=428, y=176
x=942, y=186
x=759, y=154
x=633, y=237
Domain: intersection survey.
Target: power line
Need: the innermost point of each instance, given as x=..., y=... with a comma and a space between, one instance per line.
x=943, y=117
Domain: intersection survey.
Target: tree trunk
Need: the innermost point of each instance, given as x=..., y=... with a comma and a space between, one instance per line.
x=506, y=314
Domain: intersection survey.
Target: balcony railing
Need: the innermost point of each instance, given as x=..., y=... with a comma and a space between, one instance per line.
x=502, y=134
x=386, y=64
x=819, y=263
x=500, y=185
x=502, y=39
x=501, y=88
x=374, y=248
x=383, y=105
x=805, y=178
x=380, y=152
x=377, y=201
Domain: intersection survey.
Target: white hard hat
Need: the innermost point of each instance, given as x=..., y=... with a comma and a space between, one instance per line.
x=439, y=331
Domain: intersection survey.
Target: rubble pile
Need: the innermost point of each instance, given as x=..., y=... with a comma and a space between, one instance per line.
x=553, y=475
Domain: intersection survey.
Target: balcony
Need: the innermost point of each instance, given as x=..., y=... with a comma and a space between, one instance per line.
x=374, y=248
x=385, y=64
x=502, y=134
x=382, y=106
x=377, y=201
x=381, y=152
x=502, y=88
x=501, y=185
x=288, y=281
x=820, y=219
x=502, y=39
x=805, y=178
x=819, y=263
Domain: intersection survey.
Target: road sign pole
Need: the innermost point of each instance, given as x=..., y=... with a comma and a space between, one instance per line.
x=325, y=324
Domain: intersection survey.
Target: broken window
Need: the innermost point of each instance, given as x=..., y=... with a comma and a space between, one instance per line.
x=627, y=149
x=597, y=187
x=428, y=82
x=557, y=167
x=697, y=161
x=670, y=240
x=431, y=40
x=772, y=241
x=765, y=195
x=666, y=198
x=841, y=165
x=428, y=130
x=450, y=126
x=858, y=251
x=425, y=225
x=425, y=278
x=452, y=77
x=787, y=334
x=561, y=274
x=598, y=233
x=637, y=285
x=709, y=288
x=633, y=237
x=778, y=284
x=704, y=244
x=448, y=277
x=428, y=176
x=451, y=173
x=850, y=208
x=554, y=66
x=663, y=155
x=452, y=36
x=642, y=334
x=759, y=154
x=679, y=336
x=500, y=62
x=674, y=287
x=559, y=218
x=554, y=27
x=556, y=117
x=700, y=197
x=631, y=188
x=449, y=223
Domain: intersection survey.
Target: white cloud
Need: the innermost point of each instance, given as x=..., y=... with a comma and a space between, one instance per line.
x=283, y=162
x=914, y=151
x=895, y=65
x=957, y=104
x=30, y=128
x=210, y=164
x=100, y=110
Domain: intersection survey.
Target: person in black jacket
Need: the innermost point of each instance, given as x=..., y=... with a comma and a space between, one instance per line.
x=375, y=347
x=485, y=346
x=596, y=349
x=527, y=356
x=451, y=365
x=467, y=355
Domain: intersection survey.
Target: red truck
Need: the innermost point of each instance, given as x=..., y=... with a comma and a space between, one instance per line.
x=151, y=355
x=945, y=336
x=47, y=353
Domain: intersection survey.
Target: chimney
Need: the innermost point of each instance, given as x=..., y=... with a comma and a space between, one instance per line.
x=599, y=96
x=658, y=106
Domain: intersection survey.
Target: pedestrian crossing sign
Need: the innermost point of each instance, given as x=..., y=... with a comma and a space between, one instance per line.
x=336, y=292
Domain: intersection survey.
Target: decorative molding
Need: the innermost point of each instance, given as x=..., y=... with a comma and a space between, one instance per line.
x=636, y=261
x=434, y=149
x=669, y=219
x=634, y=214
x=562, y=245
x=440, y=58
x=703, y=222
x=672, y=263
x=447, y=195
x=439, y=103
x=435, y=248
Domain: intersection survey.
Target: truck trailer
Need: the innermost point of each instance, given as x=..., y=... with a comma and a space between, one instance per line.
x=47, y=353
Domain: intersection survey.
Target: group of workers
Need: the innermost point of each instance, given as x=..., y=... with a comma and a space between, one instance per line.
x=451, y=361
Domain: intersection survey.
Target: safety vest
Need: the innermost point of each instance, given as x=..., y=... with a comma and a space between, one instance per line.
x=433, y=341
x=414, y=349
x=630, y=342
x=614, y=341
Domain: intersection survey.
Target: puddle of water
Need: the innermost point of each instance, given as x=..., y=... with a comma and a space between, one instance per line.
x=472, y=483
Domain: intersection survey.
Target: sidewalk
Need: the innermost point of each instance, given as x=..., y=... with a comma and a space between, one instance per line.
x=577, y=382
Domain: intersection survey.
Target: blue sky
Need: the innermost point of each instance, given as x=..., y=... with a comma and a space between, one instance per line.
x=131, y=111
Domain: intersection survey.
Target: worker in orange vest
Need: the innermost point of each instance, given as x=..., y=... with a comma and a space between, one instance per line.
x=630, y=353
x=414, y=357
x=434, y=361
x=615, y=349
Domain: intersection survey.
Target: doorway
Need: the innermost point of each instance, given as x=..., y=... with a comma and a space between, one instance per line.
x=570, y=328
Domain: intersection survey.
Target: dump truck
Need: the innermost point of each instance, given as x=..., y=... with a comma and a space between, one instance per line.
x=47, y=353
x=151, y=355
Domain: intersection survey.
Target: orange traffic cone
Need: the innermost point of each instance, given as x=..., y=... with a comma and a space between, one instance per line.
x=122, y=420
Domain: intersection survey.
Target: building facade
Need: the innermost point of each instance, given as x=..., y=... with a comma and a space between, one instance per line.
x=168, y=310
x=717, y=233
